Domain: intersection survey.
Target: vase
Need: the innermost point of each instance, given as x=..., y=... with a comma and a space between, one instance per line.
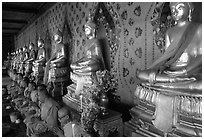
x=104, y=103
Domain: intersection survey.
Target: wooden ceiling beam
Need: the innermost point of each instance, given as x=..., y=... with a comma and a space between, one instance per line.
x=19, y=9
x=11, y=28
x=15, y=21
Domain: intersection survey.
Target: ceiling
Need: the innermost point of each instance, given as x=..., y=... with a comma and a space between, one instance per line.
x=18, y=15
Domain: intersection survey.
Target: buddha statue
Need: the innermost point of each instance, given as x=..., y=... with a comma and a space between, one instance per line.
x=15, y=59
x=84, y=70
x=25, y=58
x=181, y=65
x=169, y=98
x=56, y=67
x=20, y=60
x=39, y=63
x=30, y=60
x=93, y=59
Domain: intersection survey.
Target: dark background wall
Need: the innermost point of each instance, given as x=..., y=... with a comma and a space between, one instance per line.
x=7, y=46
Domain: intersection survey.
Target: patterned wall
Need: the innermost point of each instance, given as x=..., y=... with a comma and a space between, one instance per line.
x=133, y=46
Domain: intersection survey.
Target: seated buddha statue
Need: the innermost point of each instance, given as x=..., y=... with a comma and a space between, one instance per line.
x=56, y=66
x=20, y=62
x=181, y=64
x=39, y=62
x=16, y=60
x=173, y=83
x=30, y=60
x=84, y=70
x=25, y=58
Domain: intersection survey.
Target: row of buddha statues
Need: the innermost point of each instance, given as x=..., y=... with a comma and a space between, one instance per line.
x=178, y=72
x=55, y=70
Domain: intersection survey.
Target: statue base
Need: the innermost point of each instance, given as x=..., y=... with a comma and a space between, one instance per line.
x=159, y=112
x=60, y=79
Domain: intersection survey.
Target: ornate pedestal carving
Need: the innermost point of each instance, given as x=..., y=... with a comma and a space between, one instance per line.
x=38, y=73
x=107, y=124
x=28, y=68
x=59, y=77
x=162, y=112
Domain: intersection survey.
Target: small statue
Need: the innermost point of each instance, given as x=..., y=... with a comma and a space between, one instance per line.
x=41, y=59
x=180, y=67
x=32, y=56
x=21, y=58
x=25, y=53
x=39, y=63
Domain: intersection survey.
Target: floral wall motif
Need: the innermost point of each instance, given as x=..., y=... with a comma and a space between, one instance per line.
x=132, y=47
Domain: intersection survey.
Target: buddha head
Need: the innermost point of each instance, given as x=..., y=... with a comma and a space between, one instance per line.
x=58, y=36
x=40, y=42
x=31, y=46
x=20, y=50
x=90, y=28
x=181, y=11
x=25, y=48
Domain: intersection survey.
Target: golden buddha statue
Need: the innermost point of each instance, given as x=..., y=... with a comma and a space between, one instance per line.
x=168, y=100
x=14, y=59
x=39, y=63
x=84, y=70
x=20, y=62
x=182, y=60
x=56, y=66
x=93, y=60
x=41, y=59
x=56, y=71
x=31, y=58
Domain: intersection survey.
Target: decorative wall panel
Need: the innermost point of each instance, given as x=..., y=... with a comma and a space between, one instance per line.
x=132, y=45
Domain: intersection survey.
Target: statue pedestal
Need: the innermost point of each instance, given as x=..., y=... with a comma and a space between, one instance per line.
x=28, y=67
x=38, y=73
x=110, y=124
x=72, y=100
x=60, y=78
x=162, y=112
x=106, y=125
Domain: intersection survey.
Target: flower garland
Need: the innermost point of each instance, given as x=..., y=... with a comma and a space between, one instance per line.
x=106, y=84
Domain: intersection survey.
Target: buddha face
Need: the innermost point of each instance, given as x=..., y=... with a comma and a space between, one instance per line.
x=57, y=38
x=89, y=32
x=179, y=11
x=24, y=49
x=40, y=43
x=31, y=46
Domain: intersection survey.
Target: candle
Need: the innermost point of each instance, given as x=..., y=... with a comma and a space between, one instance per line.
x=73, y=130
x=81, y=97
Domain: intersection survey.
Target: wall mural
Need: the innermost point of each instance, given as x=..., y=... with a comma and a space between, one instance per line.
x=130, y=35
